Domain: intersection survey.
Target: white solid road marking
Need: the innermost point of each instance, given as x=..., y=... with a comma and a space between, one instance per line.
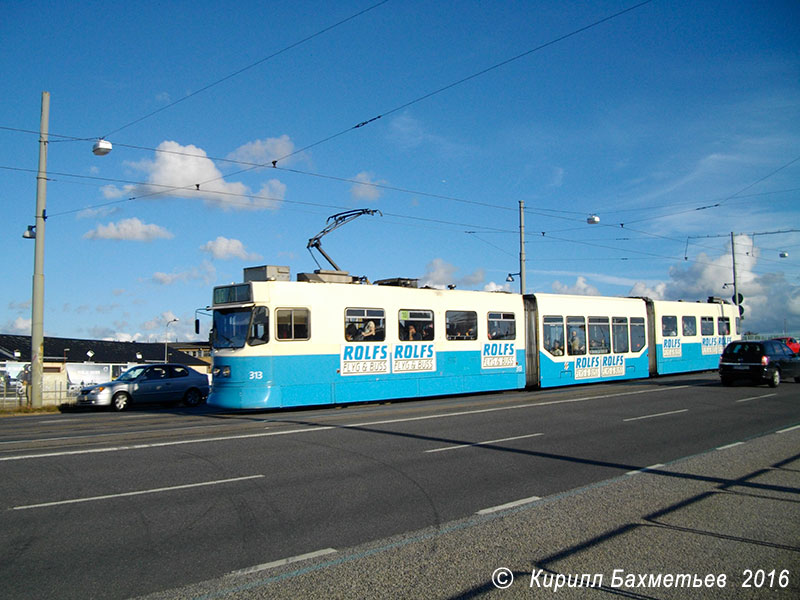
x=664, y=414
x=137, y=493
x=323, y=428
x=730, y=445
x=788, y=429
x=225, y=438
x=282, y=562
x=519, y=437
x=494, y=509
x=756, y=397
x=650, y=468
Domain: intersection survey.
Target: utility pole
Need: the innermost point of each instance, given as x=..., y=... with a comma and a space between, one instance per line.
x=521, y=247
x=735, y=288
x=37, y=310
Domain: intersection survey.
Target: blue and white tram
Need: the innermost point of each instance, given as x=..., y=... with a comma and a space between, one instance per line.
x=282, y=343
x=585, y=339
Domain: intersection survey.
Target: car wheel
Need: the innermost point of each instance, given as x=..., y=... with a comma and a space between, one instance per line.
x=726, y=380
x=775, y=378
x=192, y=398
x=121, y=401
x=797, y=379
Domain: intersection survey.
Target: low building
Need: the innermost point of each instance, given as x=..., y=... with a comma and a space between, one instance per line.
x=70, y=363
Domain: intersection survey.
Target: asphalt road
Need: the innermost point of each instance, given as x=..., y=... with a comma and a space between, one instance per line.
x=113, y=506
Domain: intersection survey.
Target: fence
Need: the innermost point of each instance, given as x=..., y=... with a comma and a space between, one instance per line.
x=54, y=393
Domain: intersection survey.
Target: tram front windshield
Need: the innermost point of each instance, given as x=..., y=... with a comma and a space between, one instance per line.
x=230, y=327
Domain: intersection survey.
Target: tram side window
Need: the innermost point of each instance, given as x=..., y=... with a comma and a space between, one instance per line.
x=415, y=325
x=259, y=326
x=292, y=323
x=502, y=326
x=553, y=334
x=364, y=325
x=738, y=325
x=724, y=325
x=576, y=333
x=669, y=326
x=599, y=336
x=707, y=325
x=619, y=334
x=461, y=325
x=689, y=325
x=638, y=338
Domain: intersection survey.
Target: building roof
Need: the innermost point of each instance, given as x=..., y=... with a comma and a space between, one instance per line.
x=75, y=351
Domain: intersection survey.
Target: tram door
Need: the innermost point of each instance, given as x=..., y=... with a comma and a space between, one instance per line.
x=531, y=341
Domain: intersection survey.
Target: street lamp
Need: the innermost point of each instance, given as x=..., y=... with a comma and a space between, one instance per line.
x=166, y=329
x=36, y=233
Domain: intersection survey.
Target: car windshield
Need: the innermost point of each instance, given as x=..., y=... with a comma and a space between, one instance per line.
x=131, y=374
x=230, y=327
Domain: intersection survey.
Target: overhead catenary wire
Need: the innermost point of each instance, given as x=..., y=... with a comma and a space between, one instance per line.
x=428, y=221
x=247, y=68
x=189, y=188
x=444, y=88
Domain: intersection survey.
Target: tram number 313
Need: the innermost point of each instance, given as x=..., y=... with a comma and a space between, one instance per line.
x=256, y=375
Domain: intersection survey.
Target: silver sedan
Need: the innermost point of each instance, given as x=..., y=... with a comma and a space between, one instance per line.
x=148, y=384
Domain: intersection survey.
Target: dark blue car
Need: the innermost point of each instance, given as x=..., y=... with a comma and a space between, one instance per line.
x=767, y=361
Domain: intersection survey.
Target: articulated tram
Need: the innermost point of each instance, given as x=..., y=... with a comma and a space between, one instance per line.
x=280, y=343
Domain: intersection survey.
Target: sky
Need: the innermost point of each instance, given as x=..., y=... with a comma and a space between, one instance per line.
x=676, y=123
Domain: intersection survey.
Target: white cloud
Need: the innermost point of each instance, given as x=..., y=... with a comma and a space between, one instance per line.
x=366, y=188
x=440, y=274
x=98, y=212
x=128, y=229
x=581, y=288
x=224, y=249
x=187, y=172
x=770, y=301
x=558, y=177
x=205, y=272
x=410, y=134
x=497, y=287
x=642, y=290
x=159, y=322
x=270, y=196
x=19, y=325
x=263, y=152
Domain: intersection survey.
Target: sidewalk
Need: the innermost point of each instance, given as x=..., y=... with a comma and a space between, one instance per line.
x=691, y=529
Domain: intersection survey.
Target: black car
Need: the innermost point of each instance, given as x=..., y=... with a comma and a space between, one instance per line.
x=760, y=362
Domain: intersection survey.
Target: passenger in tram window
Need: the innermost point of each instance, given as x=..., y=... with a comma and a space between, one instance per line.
x=351, y=332
x=412, y=334
x=556, y=349
x=369, y=330
x=575, y=345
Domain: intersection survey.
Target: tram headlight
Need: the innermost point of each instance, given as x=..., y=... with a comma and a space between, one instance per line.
x=221, y=371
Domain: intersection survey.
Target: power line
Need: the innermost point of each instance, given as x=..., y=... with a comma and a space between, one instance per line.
x=248, y=67
x=451, y=85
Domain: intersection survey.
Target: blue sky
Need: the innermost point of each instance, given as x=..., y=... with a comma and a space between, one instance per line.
x=642, y=119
